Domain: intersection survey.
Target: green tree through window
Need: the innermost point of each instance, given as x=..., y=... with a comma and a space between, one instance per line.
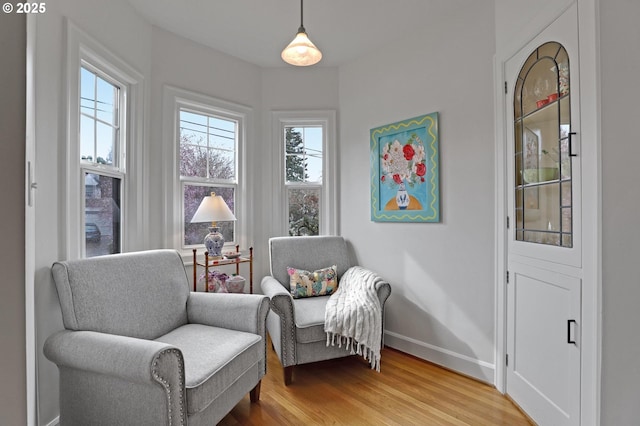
x=303, y=196
x=296, y=166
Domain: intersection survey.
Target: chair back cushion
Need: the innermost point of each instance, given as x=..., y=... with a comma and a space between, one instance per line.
x=142, y=294
x=309, y=253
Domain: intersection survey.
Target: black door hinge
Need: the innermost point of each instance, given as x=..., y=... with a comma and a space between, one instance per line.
x=506, y=361
x=508, y=222
x=505, y=87
x=507, y=277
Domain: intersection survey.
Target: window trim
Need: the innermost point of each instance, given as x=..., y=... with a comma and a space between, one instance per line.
x=173, y=100
x=83, y=49
x=329, y=206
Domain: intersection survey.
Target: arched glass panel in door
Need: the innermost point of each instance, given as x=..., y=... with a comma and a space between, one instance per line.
x=542, y=154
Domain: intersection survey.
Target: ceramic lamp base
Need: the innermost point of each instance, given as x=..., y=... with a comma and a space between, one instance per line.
x=214, y=241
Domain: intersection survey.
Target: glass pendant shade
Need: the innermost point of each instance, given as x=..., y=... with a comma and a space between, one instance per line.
x=301, y=51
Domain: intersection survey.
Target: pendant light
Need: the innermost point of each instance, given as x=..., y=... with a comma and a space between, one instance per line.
x=301, y=51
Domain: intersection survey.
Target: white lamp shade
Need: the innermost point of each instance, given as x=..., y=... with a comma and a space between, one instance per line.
x=301, y=51
x=213, y=209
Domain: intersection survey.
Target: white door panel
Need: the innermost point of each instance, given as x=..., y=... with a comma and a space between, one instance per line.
x=544, y=367
x=544, y=286
x=563, y=30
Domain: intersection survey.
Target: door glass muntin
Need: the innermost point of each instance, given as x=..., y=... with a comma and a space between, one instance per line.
x=542, y=126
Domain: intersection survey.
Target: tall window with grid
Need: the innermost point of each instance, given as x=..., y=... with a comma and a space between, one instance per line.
x=102, y=151
x=303, y=178
x=208, y=163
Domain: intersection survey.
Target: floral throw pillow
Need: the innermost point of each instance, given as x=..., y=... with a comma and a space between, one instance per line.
x=317, y=283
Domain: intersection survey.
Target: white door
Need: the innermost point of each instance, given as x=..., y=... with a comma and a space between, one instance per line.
x=543, y=367
x=544, y=222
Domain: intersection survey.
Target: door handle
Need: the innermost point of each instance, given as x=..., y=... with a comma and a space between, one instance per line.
x=571, y=153
x=31, y=185
x=569, y=339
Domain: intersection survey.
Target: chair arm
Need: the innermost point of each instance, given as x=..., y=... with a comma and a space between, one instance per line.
x=272, y=287
x=281, y=299
x=127, y=358
x=383, y=288
x=242, y=312
x=282, y=308
x=121, y=356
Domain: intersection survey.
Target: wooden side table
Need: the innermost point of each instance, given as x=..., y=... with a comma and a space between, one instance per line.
x=208, y=263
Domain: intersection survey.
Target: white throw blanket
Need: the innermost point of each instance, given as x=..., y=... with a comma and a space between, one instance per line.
x=353, y=315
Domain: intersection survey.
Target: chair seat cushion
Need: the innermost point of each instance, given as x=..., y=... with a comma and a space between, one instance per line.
x=214, y=358
x=309, y=314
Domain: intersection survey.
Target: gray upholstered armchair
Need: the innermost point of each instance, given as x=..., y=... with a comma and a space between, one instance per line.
x=140, y=349
x=296, y=326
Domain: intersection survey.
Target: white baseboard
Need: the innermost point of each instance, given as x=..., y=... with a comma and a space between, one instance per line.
x=480, y=370
x=54, y=422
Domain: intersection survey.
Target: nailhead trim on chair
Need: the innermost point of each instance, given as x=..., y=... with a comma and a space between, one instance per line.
x=166, y=386
x=283, y=327
x=261, y=326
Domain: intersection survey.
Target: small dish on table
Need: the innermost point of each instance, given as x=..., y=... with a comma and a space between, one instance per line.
x=231, y=255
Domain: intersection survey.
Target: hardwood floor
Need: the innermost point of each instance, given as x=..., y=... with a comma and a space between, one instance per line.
x=407, y=391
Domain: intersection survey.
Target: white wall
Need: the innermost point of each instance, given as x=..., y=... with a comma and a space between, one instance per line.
x=13, y=392
x=620, y=66
x=181, y=63
x=442, y=274
x=516, y=18
x=284, y=89
x=163, y=59
x=442, y=302
x=187, y=65
x=131, y=43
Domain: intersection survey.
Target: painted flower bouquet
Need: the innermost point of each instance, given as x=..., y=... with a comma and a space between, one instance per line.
x=403, y=163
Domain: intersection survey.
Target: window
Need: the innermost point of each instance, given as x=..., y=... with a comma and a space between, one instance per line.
x=101, y=158
x=543, y=149
x=307, y=140
x=303, y=178
x=208, y=164
x=204, y=140
x=105, y=202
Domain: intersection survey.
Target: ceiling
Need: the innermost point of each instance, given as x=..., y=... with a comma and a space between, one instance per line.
x=257, y=30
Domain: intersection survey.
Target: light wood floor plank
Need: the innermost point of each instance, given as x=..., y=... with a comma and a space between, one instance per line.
x=407, y=391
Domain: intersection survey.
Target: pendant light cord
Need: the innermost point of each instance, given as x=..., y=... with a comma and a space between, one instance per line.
x=301, y=29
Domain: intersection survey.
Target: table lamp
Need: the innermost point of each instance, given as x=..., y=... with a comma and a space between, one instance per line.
x=213, y=209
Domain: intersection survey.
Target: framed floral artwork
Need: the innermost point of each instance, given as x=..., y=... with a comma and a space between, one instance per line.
x=405, y=171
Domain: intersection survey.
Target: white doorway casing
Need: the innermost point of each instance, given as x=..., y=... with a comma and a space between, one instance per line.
x=30, y=225
x=543, y=15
